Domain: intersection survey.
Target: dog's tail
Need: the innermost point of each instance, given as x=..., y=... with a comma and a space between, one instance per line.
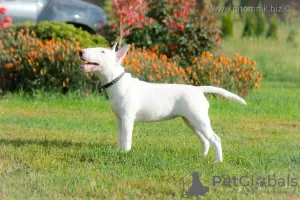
x=222, y=92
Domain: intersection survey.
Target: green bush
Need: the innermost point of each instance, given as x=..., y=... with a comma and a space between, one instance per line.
x=272, y=31
x=215, y=2
x=29, y=63
x=61, y=31
x=228, y=3
x=261, y=24
x=227, y=25
x=250, y=25
x=292, y=37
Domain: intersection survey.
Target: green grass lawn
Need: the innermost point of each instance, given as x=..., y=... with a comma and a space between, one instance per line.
x=55, y=146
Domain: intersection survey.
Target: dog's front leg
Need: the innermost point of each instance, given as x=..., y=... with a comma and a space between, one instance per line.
x=125, y=135
x=119, y=124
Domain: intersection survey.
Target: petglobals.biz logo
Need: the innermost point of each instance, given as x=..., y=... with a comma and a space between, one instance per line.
x=256, y=181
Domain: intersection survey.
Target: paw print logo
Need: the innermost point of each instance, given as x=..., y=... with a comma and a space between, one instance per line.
x=195, y=188
x=261, y=181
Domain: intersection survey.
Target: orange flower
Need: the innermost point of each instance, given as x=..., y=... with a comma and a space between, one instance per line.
x=194, y=60
x=34, y=70
x=203, y=54
x=251, y=77
x=153, y=66
x=137, y=70
x=237, y=69
x=221, y=59
x=236, y=55
x=8, y=65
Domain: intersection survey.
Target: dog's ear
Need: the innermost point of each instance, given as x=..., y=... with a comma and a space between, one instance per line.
x=113, y=48
x=120, y=54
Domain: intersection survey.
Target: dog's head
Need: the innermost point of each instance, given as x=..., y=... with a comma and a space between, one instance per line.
x=102, y=59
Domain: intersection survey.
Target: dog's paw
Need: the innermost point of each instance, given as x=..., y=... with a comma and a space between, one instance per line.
x=124, y=150
x=124, y=147
x=203, y=154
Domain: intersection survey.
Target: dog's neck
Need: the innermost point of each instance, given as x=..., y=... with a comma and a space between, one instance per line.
x=109, y=75
x=114, y=92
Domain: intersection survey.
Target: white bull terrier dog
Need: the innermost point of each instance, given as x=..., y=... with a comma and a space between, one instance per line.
x=134, y=100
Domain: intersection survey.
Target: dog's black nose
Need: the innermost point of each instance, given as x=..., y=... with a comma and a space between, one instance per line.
x=80, y=53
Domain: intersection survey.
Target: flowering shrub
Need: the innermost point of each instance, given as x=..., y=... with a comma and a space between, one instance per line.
x=147, y=65
x=178, y=12
x=236, y=74
x=30, y=63
x=130, y=15
x=177, y=27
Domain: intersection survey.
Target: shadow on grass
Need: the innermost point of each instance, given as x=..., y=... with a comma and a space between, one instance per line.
x=53, y=143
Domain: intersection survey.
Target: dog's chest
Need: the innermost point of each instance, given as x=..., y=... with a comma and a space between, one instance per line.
x=120, y=106
x=115, y=107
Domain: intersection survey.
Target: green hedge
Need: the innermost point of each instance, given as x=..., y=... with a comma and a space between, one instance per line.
x=61, y=31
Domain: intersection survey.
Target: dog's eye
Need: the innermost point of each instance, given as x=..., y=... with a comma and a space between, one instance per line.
x=102, y=51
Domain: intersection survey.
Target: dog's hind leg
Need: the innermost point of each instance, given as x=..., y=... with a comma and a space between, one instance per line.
x=202, y=125
x=205, y=128
x=204, y=141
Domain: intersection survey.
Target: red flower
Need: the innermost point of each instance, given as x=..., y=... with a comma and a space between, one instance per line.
x=141, y=18
x=4, y=25
x=218, y=40
x=181, y=27
x=3, y=10
x=150, y=21
x=114, y=25
x=7, y=19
